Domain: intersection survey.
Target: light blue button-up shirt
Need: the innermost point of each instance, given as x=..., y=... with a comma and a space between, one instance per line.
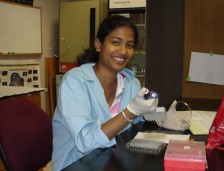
x=81, y=110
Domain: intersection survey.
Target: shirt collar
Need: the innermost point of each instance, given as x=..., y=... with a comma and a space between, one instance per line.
x=120, y=83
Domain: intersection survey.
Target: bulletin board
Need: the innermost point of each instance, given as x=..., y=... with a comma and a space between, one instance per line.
x=203, y=32
x=20, y=75
x=20, y=31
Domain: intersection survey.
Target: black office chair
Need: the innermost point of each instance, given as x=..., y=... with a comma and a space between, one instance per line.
x=25, y=135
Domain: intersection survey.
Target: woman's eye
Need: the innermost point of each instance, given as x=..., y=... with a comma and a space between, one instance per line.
x=116, y=43
x=130, y=45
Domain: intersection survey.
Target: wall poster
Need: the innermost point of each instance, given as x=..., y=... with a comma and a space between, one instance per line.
x=206, y=68
x=20, y=75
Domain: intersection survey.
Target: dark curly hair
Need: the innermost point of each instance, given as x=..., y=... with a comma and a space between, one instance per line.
x=106, y=27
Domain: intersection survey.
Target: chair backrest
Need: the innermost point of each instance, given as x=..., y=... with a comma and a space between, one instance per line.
x=25, y=135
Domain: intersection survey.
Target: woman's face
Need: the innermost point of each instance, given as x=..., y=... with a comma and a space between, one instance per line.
x=117, y=49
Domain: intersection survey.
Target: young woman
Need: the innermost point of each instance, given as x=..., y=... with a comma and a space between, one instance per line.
x=100, y=98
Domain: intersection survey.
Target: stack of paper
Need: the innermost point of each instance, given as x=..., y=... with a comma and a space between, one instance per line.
x=201, y=122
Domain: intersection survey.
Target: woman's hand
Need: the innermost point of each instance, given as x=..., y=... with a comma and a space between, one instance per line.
x=139, y=105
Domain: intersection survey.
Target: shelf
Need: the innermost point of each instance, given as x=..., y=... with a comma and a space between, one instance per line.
x=140, y=76
x=19, y=54
x=140, y=25
x=139, y=52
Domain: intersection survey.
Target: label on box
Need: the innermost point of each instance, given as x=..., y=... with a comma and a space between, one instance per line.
x=114, y=4
x=64, y=67
x=187, y=147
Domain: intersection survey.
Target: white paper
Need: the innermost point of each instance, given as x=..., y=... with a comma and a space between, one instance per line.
x=206, y=68
x=166, y=138
x=201, y=122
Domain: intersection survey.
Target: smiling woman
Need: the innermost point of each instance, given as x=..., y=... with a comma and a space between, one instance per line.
x=100, y=98
x=92, y=54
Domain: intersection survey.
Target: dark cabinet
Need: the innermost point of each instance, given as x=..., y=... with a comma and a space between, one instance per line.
x=164, y=48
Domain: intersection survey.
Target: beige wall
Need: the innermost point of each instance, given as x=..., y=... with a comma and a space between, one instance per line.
x=50, y=31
